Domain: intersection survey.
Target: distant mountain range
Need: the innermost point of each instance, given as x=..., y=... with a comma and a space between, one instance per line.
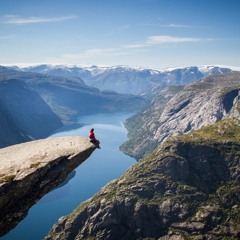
x=130, y=80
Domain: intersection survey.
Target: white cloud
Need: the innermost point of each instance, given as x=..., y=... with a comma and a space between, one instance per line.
x=134, y=46
x=172, y=25
x=161, y=39
x=126, y=49
x=17, y=20
x=94, y=53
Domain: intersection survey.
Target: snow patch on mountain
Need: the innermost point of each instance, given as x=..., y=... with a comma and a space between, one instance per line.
x=131, y=79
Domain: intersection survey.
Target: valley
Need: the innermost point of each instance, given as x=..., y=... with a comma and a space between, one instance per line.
x=34, y=105
x=184, y=133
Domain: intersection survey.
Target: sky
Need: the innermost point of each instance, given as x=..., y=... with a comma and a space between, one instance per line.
x=154, y=34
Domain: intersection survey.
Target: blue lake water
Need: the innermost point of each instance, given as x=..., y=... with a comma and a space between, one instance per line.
x=101, y=167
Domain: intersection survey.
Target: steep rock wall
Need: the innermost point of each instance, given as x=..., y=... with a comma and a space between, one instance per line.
x=189, y=188
x=24, y=115
x=30, y=170
x=197, y=105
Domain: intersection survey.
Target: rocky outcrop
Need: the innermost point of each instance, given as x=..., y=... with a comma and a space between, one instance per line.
x=189, y=188
x=29, y=170
x=204, y=102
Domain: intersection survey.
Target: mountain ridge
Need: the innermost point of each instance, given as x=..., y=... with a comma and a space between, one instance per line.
x=33, y=105
x=20, y=106
x=89, y=66
x=194, y=106
x=131, y=80
x=169, y=194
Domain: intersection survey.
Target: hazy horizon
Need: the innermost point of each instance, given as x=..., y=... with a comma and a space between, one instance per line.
x=154, y=34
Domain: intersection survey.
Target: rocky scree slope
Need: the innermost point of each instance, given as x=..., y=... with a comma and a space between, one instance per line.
x=199, y=104
x=30, y=170
x=189, y=188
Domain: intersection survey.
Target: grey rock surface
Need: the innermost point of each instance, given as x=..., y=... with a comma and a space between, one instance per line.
x=29, y=170
x=189, y=188
x=199, y=104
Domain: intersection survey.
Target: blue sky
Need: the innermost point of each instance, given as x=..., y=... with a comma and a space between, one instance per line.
x=146, y=33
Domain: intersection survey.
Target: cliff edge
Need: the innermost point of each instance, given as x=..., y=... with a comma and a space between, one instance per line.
x=189, y=188
x=30, y=170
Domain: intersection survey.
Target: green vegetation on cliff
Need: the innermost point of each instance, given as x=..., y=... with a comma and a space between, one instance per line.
x=226, y=130
x=186, y=189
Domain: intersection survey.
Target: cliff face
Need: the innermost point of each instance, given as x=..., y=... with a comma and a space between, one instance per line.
x=24, y=114
x=30, y=170
x=189, y=188
x=142, y=126
x=69, y=96
x=67, y=99
x=204, y=102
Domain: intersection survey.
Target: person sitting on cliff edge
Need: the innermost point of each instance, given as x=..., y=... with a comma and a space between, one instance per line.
x=93, y=139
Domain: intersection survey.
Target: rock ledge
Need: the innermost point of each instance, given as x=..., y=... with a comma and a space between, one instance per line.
x=30, y=170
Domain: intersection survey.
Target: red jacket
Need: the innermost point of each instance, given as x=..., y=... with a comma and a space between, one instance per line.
x=92, y=136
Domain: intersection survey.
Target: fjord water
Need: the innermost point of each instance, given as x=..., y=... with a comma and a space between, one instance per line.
x=101, y=167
